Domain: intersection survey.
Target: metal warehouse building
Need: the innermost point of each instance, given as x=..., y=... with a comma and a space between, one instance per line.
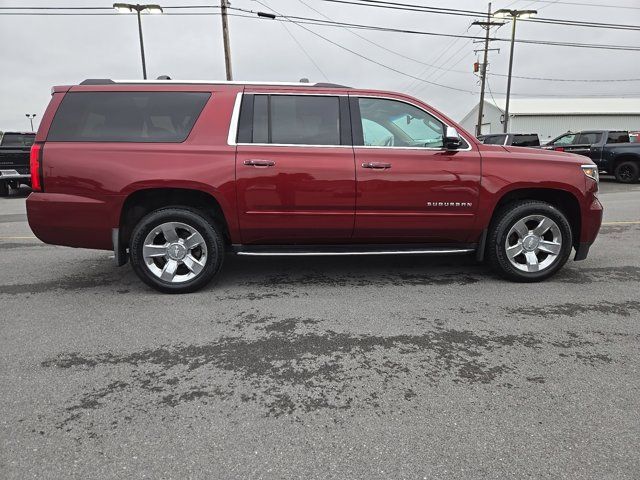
x=550, y=117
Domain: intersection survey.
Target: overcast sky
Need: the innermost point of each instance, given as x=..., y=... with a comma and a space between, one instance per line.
x=38, y=52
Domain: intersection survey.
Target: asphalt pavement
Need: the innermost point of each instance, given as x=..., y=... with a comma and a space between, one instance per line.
x=321, y=368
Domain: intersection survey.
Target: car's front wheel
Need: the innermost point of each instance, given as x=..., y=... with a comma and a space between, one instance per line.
x=176, y=250
x=529, y=241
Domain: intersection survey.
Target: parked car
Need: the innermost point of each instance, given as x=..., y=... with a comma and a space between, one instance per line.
x=172, y=175
x=513, y=139
x=611, y=150
x=14, y=160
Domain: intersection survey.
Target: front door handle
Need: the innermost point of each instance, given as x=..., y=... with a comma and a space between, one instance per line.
x=259, y=163
x=376, y=165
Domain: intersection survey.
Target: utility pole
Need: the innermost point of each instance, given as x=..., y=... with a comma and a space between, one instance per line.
x=483, y=69
x=514, y=15
x=225, y=38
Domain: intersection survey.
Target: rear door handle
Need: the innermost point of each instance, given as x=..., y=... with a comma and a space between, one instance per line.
x=259, y=163
x=376, y=165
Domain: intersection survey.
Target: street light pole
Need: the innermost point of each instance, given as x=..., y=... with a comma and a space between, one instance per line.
x=514, y=14
x=30, y=116
x=144, y=63
x=130, y=8
x=506, y=106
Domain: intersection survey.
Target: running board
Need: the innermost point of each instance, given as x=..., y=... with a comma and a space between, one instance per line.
x=343, y=250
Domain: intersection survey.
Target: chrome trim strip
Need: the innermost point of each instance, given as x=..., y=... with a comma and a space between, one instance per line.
x=380, y=252
x=233, y=125
x=305, y=145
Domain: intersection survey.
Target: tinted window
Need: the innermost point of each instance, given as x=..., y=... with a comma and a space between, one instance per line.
x=525, y=141
x=494, y=139
x=290, y=120
x=397, y=124
x=17, y=140
x=126, y=116
x=305, y=120
x=618, y=137
x=261, y=119
x=588, y=138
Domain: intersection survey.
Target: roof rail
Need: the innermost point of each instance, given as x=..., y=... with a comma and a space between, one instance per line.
x=166, y=79
x=97, y=81
x=330, y=85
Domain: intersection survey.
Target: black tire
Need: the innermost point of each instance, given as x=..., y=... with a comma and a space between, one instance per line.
x=627, y=171
x=500, y=228
x=210, y=232
x=4, y=189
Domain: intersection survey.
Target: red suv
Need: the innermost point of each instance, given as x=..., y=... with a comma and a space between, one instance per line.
x=173, y=175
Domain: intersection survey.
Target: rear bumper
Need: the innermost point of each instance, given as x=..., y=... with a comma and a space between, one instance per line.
x=70, y=220
x=14, y=175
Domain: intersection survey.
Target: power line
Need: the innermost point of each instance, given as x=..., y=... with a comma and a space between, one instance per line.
x=320, y=22
x=315, y=21
x=582, y=4
x=472, y=13
x=437, y=67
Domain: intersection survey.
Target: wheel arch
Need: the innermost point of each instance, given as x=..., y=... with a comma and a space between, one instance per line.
x=625, y=157
x=563, y=200
x=141, y=202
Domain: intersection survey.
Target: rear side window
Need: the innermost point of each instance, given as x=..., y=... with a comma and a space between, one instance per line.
x=17, y=140
x=493, y=140
x=126, y=116
x=588, y=138
x=526, y=141
x=618, y=137
x=291, y=120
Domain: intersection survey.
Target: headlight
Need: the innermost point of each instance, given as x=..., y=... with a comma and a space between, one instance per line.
x=591, y=171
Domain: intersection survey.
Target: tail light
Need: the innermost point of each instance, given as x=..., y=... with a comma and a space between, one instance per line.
x=35, y=167
x=559, y=149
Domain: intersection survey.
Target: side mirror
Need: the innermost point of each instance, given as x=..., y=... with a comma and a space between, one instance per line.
x=452, y=140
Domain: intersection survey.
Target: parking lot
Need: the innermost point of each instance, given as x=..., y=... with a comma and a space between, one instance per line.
x=321, y=368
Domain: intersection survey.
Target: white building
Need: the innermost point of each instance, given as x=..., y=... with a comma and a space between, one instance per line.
x=550, y=117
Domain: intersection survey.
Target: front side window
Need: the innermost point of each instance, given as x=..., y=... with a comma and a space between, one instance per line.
x=392, y=123
x=126, y=116
x=565, y=139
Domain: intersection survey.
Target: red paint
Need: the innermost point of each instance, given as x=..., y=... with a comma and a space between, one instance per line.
x=308, y=194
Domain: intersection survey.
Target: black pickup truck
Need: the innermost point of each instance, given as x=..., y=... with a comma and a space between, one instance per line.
x=611, y=150
x=14, y=160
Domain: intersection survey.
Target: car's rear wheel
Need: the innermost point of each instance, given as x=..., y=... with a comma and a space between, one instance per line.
x=176, y=250
x=529, y=241
x=627, y=172
x=4, y=189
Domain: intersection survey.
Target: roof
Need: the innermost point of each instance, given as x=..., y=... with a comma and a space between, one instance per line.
x=570, y=106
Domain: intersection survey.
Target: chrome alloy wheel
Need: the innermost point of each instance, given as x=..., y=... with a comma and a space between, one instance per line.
x=533, y=243
x=175, y=252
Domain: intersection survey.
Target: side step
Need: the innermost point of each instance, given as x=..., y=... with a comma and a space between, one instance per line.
x=353, y=249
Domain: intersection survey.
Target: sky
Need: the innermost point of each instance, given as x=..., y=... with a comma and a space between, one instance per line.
x=39, y=52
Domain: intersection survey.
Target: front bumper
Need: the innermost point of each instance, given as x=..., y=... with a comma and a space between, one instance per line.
x=591, y=222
